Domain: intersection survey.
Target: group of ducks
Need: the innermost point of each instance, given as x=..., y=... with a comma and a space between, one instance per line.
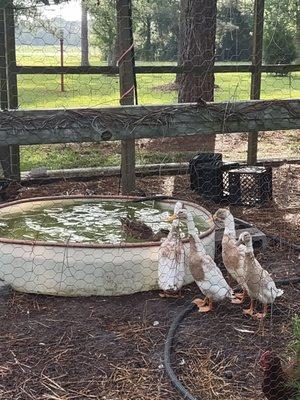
x=238, y=258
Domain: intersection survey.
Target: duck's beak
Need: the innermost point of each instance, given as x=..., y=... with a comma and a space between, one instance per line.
x=215, y=218
x=171, y=218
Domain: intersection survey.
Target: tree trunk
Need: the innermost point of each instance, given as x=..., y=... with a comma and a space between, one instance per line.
x=112, y=56
x=147, y=46
x=198, y=35
x=297, y=37
x=181, y=37
x=84, y=35
x=198, y=49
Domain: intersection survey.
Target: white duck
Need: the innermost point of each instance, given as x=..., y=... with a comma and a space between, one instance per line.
x=260, y=284
x=171, y=261
x=204, y=270
x=233, y=254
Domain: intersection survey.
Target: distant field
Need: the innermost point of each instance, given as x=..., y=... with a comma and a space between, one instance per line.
x=43, y=91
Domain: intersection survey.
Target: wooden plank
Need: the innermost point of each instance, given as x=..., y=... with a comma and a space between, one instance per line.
x=128, y=123
x=148, y=69
x=127, y=89
x=12, y=88
x=257, y=54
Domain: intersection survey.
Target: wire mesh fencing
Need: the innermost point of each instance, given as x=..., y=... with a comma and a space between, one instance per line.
x=91, y=280
x=81, y=247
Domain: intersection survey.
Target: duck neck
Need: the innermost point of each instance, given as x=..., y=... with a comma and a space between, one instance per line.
x=174, y=227
x=192, y=230
x=230, y=226
x=195, y=241
x=249, y=248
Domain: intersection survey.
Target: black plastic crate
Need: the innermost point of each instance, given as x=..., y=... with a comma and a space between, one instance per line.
x=4, y=184
x=250, y=186
x=209, y=176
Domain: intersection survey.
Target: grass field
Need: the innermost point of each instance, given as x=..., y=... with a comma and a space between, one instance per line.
x=43, y=91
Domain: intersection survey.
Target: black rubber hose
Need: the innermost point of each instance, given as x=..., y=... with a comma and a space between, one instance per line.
x=280, y=240
x=171, y=334
x=168, y=348
x=287, y=281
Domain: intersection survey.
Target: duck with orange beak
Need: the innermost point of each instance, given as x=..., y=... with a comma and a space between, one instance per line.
x=204, y=270
x=171, y=260
x=233, y=253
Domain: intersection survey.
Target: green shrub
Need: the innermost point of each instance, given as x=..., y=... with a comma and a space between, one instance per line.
x=279, y=47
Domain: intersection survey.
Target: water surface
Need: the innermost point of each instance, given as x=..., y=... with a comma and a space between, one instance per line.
x=85, y=221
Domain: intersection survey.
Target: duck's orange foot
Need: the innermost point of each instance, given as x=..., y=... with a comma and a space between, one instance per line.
x=202, y=305
x=200, y=302
x=239, y=295
x=205, y=309
x=259, y=316
x=237, y=301
x=248, y=311
x=263, y=314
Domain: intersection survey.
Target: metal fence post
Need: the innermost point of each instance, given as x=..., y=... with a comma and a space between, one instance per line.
x=127, y=89
x=257, y=51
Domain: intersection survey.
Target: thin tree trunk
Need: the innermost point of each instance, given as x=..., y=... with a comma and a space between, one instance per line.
x=112, y=57
x=147, y=46
x=297, y=37
x=181, y=38
x=84, y=35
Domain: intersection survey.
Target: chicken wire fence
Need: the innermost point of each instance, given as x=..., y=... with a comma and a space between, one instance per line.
x=111, y=346
x=53, y=36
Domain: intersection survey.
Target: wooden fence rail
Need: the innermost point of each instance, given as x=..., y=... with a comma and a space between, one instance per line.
x=155, y=69
x=28, y=127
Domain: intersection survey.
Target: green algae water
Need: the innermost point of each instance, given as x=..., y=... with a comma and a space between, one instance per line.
x=85, y=221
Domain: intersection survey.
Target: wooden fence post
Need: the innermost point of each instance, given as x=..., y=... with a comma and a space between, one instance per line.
x=4, y=150
x=257, y=50
x=12, y=85
x=127, y=89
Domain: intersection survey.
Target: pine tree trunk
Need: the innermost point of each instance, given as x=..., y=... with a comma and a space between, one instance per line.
x=198, y=49
x=198, y=35
x=84, y=35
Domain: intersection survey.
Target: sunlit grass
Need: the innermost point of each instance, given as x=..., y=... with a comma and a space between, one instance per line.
x=43, y=91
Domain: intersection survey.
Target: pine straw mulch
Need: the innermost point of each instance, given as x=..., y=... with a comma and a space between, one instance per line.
x=111, y=348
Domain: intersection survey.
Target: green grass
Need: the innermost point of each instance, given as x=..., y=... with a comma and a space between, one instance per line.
x=87, y=156
x=43, y=91
x=295, y=347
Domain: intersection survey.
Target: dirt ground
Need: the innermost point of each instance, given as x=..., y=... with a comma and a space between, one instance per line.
x=112, y=348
